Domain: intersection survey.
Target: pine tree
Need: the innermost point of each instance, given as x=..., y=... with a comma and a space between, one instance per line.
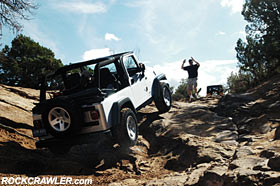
x=26, y=62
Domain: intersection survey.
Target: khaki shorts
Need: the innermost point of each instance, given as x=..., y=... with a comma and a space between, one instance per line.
x=191, y=83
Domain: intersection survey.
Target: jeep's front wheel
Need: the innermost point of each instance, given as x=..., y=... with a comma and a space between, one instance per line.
x=163, y=102
x=126, y=133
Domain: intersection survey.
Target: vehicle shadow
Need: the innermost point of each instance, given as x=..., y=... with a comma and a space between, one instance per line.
x=87, y=159
x=16, y=159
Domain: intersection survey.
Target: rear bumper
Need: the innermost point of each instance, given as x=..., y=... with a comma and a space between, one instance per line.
x=75, y=140
x=89, y=124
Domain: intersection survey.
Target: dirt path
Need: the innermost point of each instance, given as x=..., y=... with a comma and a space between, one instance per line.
x=190, y=145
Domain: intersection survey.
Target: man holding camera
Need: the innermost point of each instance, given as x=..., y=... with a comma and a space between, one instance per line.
x=192, y=79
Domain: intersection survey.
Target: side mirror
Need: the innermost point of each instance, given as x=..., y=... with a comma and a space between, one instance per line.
x=142, y=67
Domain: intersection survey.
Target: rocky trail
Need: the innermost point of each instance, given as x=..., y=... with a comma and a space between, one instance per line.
x=233, y=140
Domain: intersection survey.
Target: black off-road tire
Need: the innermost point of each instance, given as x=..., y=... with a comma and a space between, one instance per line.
x=164, y=101
x=126, y=133
x=62, y=107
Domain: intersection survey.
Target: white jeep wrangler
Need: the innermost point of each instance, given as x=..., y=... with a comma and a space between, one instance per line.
x=102, y=96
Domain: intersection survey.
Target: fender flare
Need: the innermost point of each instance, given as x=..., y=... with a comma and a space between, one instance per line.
x=158, y=81
x=116, y=110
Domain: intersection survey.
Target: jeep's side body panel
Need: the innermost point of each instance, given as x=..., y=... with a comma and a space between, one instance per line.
x=150, y=75
x=109, y=101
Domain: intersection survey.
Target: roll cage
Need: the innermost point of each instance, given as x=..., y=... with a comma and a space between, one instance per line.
x=99, y=63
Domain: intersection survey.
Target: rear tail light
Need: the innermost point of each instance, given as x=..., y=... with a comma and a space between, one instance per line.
x=94, y=114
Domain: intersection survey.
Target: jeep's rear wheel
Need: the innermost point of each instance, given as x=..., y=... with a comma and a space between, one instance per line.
x=126, y=133
x=62, y=118
x=164, y=101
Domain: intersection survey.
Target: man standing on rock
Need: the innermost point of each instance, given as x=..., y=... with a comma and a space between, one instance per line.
x=192, y=79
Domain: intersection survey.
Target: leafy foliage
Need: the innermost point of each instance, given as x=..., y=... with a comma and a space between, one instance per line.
x=12, y=10
x=259, y=55
x=239, y=82
x=26, y=62
x=181, y=91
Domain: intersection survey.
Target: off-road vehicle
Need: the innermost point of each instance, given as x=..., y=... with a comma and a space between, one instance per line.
x=215, y=90
x=101, y=96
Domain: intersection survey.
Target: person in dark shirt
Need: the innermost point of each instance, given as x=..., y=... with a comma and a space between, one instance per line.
x=192, y=79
